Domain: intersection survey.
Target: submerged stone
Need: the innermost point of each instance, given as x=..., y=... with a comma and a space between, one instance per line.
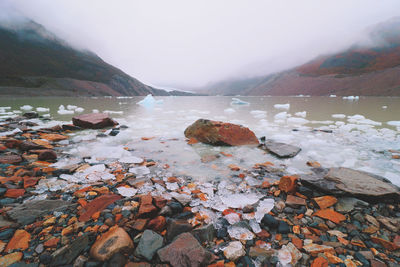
x=93, y=121
x=280, y=150
x=148, y=245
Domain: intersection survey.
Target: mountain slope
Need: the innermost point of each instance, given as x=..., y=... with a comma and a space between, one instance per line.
x=35, y=62
x=372, y=70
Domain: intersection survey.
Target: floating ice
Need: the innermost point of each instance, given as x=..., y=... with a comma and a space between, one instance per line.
x=149, y=101
x=113, y=112
x=259, y=114
x=71, y=107
x=332, y=96
x=237, y=101
x=338, y=116
x=263, y=208
x=351, y=97
x=301, y=114
x=297, y=121
x=126, y=191
x=140, y=171
x=131, y=159
x=240, y=200
x=26, y=107
x=384, y=107
x=79, y=109
x=282, y=106
x=40, y=109
x=65, y=112
x=229, y=110
x=240, y=233
x=394, y=123
x=281, y=116
x=95, y=111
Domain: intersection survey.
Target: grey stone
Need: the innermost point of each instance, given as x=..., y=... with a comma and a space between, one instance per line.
x=280, y=150
x=68, y=253
x=176, y=227
x=39, y=249
x=204, y=233
x=345, y=181
x=347, y=204
x=4, y=222
x=28, y=212
x=148, y=245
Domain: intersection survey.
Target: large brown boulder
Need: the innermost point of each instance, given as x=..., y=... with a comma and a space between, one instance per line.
x=219, y=133
x=93, y=121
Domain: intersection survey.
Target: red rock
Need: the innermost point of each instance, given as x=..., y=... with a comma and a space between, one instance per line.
x=332, y=258
x=288, y=184
x=157, y=224
x=220, y=133
x=314, y=164
x=113, y=241
x=2, y=147
x=384, y=243
x=140, y=224
x=20, y=240
x=192, y=141
x=331, y=215
x=325, y=201
x=160, y=202
x=93, y=121
x=12, y=143
x=146, y=208
x=47, y=154
x=263, y=234
x=30, y=181
x=14, y=193
x=96, y=205
x=11, y=258
x=315, y=249
x=52, y=242
x=320, y=262
x=295, y=201
x=10, y=159
x=53, y=137
x=297, y=242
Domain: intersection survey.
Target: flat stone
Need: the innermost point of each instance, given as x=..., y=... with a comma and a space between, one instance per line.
x=177, y=227
x=47, y=154
x=67, y=254
x=347, y=204
x=114, y=241
x=185, y=250
x=96, y=205
x=234, y=250
x=325, y=201
x=20, y=240
x=315, y=249
x=5, y=223
x=293, y=201
x=10, y=159
x=204, y=233
x=219, y=133
x=330, y=214
x=28, y=212
x=93, y=121
x=281, y=150
x=11, y=258
x=148, y=245
x=261, y=252
x=157, y=224
x=344, y=181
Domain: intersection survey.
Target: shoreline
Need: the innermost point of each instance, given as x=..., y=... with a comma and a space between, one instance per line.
x=136, y=212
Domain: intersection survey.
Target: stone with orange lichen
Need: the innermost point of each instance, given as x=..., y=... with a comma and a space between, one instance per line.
x=14, y=193
x=331, y=215
x=97, y=205
x=288, y=184
x=53, y=137
x=320, y=262
x=11, y=258
x=384, y=243
x=332, y=258
x=315, y=249
x=314, y=164
x=20, y=240
x=157, y=224
x=325, y=201
x=234, y=167
x=52, y=242
x=192, y=141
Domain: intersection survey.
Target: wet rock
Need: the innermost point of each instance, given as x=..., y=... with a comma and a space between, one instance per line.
x=283, y=227
x=148, y=245
x=294, y=201
x=117, y=259
x=280, y=150
x=325, y=201
x=93, y=121
x=114, y=132
x=28, y=212
x=344, y=181
x=146, y=209
x=28, y=145
x=20, y=240
x=261, y=252
x=234, y=250
x=70, y=127
x=157, y=224
x=98, y=204
x=288, y=184
x=347, y=204
x=10, y=159
x=220, y=134
x=176, y=227
x=330, y=214
x=5, y=223
x=315, y=249
x=114, y=241
x=11, y=258
x=204, y=233
x=270, y=221
x=185, y=250
x=68, y=253
x=31, y=115
x=47, y=154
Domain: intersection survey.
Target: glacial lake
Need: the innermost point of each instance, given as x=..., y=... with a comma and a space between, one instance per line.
x=333, y=131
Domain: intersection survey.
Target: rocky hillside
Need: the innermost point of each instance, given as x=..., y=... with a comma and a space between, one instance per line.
x=364, y=69
x=36, y=62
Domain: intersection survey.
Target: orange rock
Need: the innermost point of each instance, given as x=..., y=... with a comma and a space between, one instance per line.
x=30, y=181
x=384, y=243
x=11, y=258
x=234, y=167
x=146, y=208
x=82, y=202
x=53, y=137
x=265, y=184
x=314, y=164
x=395, y=156
x=320, y=262
x=263, y=234
x=314, y=249
x=52, y=242
x=157, y=224
x=20, y=240
x=2, y=148
x=226, y=154
x=297, y=242
x=173, y=179
x=343, y=241
x=296, y=229
x=288, y=184
x=147, y=138
x=330, y=214
x=14, y=193
x=139, y=224
x=118, y=217
x=192, y=141
x=98, y=204
x=325, y=201
x=67, y=230
x=332, y=258
x=95, y=215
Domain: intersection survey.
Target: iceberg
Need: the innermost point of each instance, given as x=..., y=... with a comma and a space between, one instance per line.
x=26, y=107
x=282, y=106
x=40, y=109
x=149, y=101
x=237, y=101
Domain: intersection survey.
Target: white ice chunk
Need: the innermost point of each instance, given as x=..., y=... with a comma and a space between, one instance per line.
x=297, y=121
x=240, y=233
x=149, y=101
x=71, y=107
x=338, y=116
x=282, y=106
x=140, y=171
x=26, y=107
x=40, y=109
x=126, y=191
x=332, y=96
x=255, y=226
x=240, y=200
x=384, y=107
x=131, y=159
x=394, y=123
x=65, y=112
x=113, y=112
x=263, y=208
x=95, y=111
x=229, y=110
x=281, y=116
x=79, y=109
x=301, y=114
x=237, y=101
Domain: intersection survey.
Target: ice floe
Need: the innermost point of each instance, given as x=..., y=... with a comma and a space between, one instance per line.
x=282, y=106
x=237, y=101
x=149, y=101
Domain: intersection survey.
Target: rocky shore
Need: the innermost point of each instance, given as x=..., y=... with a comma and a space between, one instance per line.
x=134, y=212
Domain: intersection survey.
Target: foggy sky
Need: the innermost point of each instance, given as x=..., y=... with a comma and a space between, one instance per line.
x=190, y=43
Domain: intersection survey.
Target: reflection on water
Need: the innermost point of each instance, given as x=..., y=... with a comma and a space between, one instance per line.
x=360, y=142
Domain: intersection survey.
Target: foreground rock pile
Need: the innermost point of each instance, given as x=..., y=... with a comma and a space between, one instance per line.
x=134, y=212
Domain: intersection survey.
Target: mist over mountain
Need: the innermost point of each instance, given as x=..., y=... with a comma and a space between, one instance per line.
x=369, y=67
x=36, y=62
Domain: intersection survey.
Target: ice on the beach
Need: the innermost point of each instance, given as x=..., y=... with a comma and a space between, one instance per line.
x=282, y=106
x=237, y=101
x=229, y=110
x=140, y=171
x=281, y=116
x=338, y=116
x=297, y=121
x=351, y=97
x=65, y=111
x=79, y=109
x=237, y=201
x=394, y=123
x=26, y=107
x=284, y=256
x=113, y=112
x=240, y=233
x=40, y=109
x=149, y=101
x=131, y=159
x=332, y=96
x=126, y=191
x=302, y=114
x=255, y=227
x=263, y=208
x=71, y=107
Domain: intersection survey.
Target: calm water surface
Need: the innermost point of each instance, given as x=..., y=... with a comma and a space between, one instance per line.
x=360, y=135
